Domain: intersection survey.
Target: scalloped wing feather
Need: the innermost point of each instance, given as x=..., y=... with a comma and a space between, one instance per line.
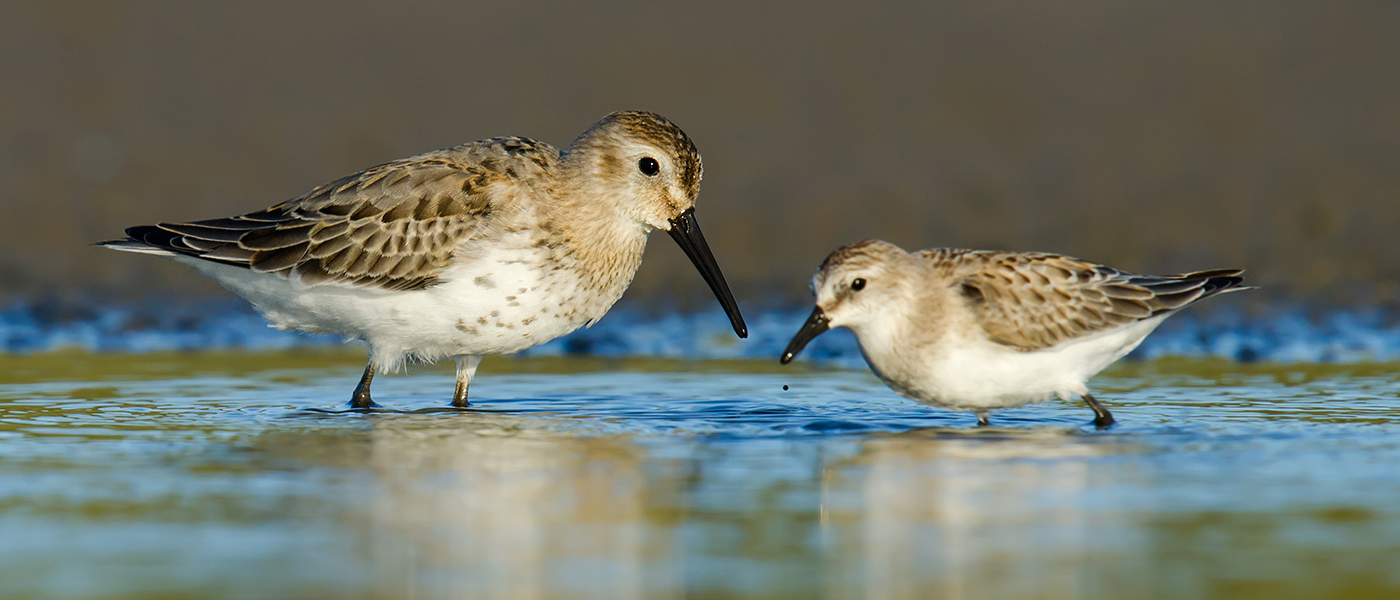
x=394, y=226
x=1032, y=301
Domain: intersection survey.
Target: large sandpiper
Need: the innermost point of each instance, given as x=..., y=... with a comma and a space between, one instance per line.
x=485, y=248
x=979, y=330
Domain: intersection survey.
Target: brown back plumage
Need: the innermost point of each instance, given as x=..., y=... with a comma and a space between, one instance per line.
x=393, y=226
x=1032, y=301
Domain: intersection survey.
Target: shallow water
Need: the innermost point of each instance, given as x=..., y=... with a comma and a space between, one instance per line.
x=213, y=475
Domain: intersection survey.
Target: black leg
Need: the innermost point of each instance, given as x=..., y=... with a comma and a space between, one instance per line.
x=982, y=420
x=361, y=398
x=459, y=397
x=466, y=369
x=1102, y=418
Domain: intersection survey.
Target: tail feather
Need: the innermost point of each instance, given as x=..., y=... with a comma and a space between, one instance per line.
x=1174, y=292
x=1220, y=281
x=159, y=241
x=130, y=245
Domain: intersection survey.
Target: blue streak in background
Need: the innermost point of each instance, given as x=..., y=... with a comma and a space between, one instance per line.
x=1283, y=334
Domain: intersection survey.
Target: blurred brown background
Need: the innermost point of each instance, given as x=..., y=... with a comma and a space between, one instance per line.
x=1154, y=136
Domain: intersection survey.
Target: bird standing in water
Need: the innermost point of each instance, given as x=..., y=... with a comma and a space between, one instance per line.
x=981, y=330
x=485, y=248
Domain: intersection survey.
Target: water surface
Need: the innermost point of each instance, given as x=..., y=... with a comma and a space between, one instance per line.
x=213, y=475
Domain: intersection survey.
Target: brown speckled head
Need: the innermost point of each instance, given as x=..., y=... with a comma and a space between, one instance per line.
x=860, y=254
x=872, y=267
x=611, y=149
x=660, y=132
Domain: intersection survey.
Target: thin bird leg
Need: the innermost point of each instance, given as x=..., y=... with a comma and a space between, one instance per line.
x=466, y=369
x=982, y=420
x=1102, y=418
x=361, y=398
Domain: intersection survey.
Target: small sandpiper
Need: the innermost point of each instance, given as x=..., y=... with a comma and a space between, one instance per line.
x=485, y=248
x=978, y=330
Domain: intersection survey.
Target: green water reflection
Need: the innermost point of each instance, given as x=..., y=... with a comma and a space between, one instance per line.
x=208, y=476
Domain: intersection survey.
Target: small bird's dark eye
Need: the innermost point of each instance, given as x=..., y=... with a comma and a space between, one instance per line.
x=858, y=284
x=649, y=166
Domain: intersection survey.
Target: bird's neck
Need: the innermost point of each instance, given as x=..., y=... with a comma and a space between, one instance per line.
x=903, y=336
x=605, y=245
x=881, y=340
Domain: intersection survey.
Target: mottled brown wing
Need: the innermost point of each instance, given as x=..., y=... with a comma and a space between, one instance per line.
x=394, y=226
x=1034, y=301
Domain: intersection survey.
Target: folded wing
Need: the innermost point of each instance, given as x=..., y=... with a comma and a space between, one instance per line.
x=394, y=226
x=1033, y=301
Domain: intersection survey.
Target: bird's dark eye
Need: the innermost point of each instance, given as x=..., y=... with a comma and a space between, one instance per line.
x=858, y=284
x=649, y=167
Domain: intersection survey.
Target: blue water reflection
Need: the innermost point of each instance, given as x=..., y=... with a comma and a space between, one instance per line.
x=660, y=484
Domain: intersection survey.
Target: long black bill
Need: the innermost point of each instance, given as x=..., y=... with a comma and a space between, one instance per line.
x=686, y=231
x=815, y=326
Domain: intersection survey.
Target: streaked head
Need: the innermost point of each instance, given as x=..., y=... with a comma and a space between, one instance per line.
x=857, y=283
x=644, y=167
x=641, y=161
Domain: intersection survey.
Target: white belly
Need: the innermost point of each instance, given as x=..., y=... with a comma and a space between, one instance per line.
x=965, y=374
x=500, y=303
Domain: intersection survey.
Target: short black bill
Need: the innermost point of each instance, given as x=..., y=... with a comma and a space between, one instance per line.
x=816, y=324
x=686, y=231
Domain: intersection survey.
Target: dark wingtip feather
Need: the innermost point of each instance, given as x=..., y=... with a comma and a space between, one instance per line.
x=126, y=244
x=1175, y=292
x=134, y=245
x=1211, y=274
x=154, y=239
x=213, y=234
x=155, y=236
x=1222, y=281
x=138, y=231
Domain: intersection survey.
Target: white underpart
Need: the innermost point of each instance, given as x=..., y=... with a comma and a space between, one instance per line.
x=501, y=302
x=970, y=372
